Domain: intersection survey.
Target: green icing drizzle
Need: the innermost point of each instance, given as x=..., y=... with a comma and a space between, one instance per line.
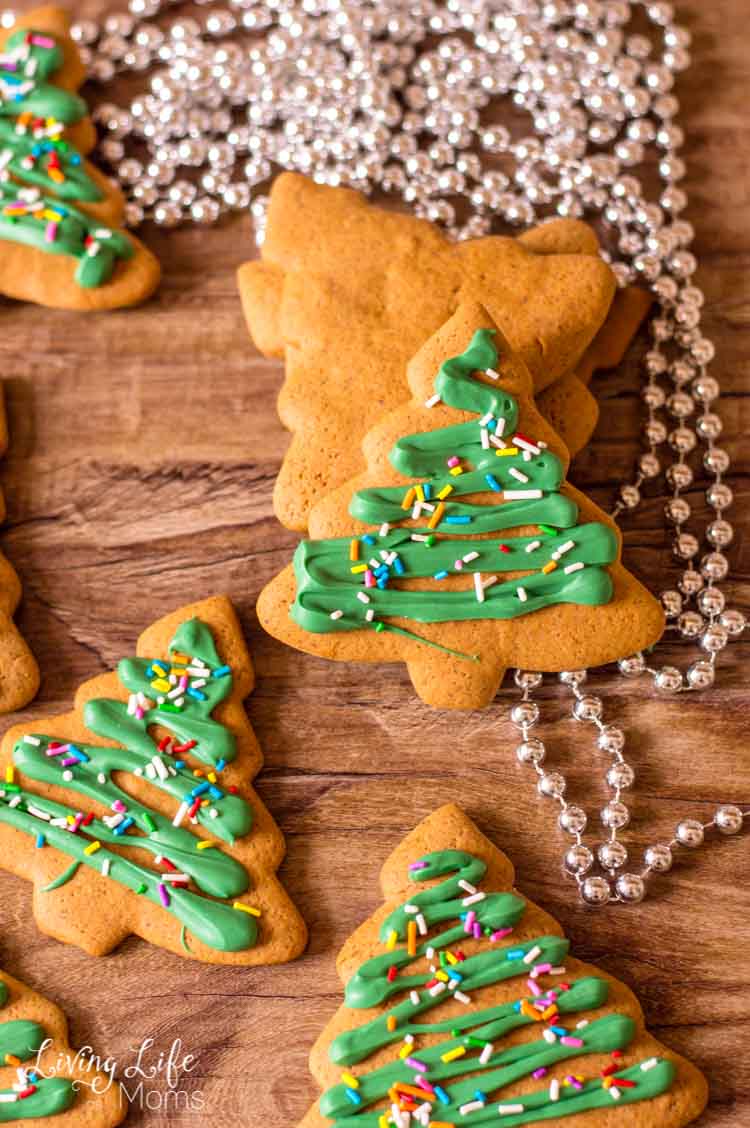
x=63, y=879
x=463, y=1077
x=326, y=584
x=48, y=169
x=23, y=1039
x=95, y=775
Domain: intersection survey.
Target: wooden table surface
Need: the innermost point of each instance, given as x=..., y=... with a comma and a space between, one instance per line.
x=144, y=447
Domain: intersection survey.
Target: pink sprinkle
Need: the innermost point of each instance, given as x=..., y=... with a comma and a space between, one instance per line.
x=418, y=865
x=539, y=1073
x=424, y=1084
x=568, y=1040
x=540, y=969
x=500, y=934
x=139, y=714
x=73, y=827
x=42, y=41
x=458, y=565
x=573, y=1080
x=118, y=805
x=413, y=1063
x=369, y=578
x=533, y=987
x=183, y=682
x=471, y=916
x=454, y=461
x=54, y=751
x=163, y=895
x=477, y=929
x=50, y=232
x=69, y=762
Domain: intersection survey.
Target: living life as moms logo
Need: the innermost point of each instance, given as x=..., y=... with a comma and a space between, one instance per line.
x=157, y=1080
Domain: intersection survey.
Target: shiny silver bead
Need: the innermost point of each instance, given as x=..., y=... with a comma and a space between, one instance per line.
x=572, y=819
x=708, y=425
x=706, y=388
x=531, y=752
x=716, y=460
x=527, y=679
x=690, y=582
x=573, y=677
x=728, y=819
x=615, y=815
x=680, y=405
x=677, y=510
x=588, y=708
x=690, y=833
x=700, y=674
x=525, y=713
x=682, y=439
x=612, y=855
x=167, y=214
x=671, y=601
x=654, y=431
x=659, y=857
x=611, y=740
x=714, y=566
x=733, y=621
x=668, y=679
x=714, y=638
x=630, y=495
x=685, y=546
x=596, y=891
x=719, y=533
x=632, y=666
x=711, y=601
x=620, y=775
x=719, y=496
x=690, y=624
x=630, y=887
x=649, y=464
x=578, y=859
x=552, y=785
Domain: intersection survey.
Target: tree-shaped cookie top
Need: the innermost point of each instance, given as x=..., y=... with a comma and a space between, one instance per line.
x=165, y=789
x=470, y=1011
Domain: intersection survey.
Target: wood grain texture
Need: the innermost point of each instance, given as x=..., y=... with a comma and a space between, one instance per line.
x=144, y=447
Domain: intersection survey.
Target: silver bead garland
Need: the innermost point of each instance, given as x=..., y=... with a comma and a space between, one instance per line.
x=389, y=95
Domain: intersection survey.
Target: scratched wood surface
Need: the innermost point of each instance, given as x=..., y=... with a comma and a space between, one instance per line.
x=144, y=447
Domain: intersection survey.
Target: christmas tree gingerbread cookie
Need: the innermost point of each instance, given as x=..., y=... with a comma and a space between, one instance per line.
x=462, y=550
x=62, y=244
x=42, y=1080
x=347, y=292
x=463, y=1006
x=135, y=812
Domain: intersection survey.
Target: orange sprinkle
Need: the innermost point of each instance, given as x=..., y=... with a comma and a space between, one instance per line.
x=354, y=550
x=391, y=1022
x=549, y=566
x=411, y=938
x=436, y=517
x=408, y=498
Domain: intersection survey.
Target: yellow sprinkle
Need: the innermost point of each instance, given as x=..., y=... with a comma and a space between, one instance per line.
x=391, y=1022
x=436, y=517
x=411, y=938
x=442, y=976
x=451, y=1055
x=408, y=498
x=549, y=567
x=11, y=1059
x=350, y=1080
x=161, y=684
x=506, y=451
x=9, y=774
x=391, y=941
x=442, y=494
x=357, y=569
x=246, y=909
x=451, y=958
x=206, y=844
x=70, y=819
x=92, y=847
x=405, y=1050
x=383, y=1122
x=455, y=471
x=354, y=550
x=211, y=777
x=48, y=213
x=419, y=491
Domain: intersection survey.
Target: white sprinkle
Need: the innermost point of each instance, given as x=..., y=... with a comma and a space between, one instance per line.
x=566, y=547
x=500, y=429
x=532, y=545
x=34, y=740
x=489, y=582
x=496, y=442
x=369, y=615
x=554, y=1089
x=67, y=776
x=182, y=810
x=486, y=419
x=374, y=563
x=485, y=439
x=486, y=1053
x=179, y=878
x=418, y=537
x=493, y=375
x=37, y=813
x=473, y=899
x=430, y=952
x=199, y=683
x=467, y=560
x=432, y=400
x=213, y=813
x=521, y=593
x=103, y=233
x=101, y=778
x=337, y=614
x=466, y=885
x=430, y=508
x=421, y=924
x=532, y=954
x=462, y=998
x=549, y=1036
x=106, y=863
x=650, y=1064
x=478, y=589
x=574, y=567
x=409, y=1038
x=150, y=771
x=437, y=989
x=113, y=820
x=582, y=1024
x=557, y=970
x=411, y=908
x=8, y=1098
x=521, y=495
x=509, y=1110
x=524, y=444
x=416, y=511
x=161, y=768
x=614, y=1093
x=132, y=704
x=471, y=1106
x=385, y=555
x=414, y=996
x=385, y=529
x=518, y=474
x=363, y=597
x=173, y=693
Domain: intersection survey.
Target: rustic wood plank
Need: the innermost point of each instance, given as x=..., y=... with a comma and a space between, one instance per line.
x=144, y=448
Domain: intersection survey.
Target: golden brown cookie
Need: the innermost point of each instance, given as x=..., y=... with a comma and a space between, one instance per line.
x=464, y=1006
x=60, y=217
x=42, y=1080
x=348, y=292
x=418, y=559
x=135, y=812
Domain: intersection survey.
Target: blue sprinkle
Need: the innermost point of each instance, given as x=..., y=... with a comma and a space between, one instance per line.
x=441, y=1094
x=179, y=763
x=215, y=792
x=515, y=953
x=440, y=575
x=457, y=519
x=79, y=755
x=196, y=693
x=383, y=570
x=75, y=159
x=201, y=789
x=368, y=539
x=517, y=1007
x=221, y=764
x=559, y=1030
x=453, y=974
x=123, y=826
x=492, y=425
x=382, y=582
x=39, y=841
x=221, y=671
x=493, y=483
x=398, y=565
x=480, y=1096
x=427, y=491
x=353, y=1096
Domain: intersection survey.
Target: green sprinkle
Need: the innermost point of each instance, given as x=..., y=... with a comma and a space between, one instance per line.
x=168, y=707
x=142, y=888
x=150, y=824
x=548, y=529
x=379, y=626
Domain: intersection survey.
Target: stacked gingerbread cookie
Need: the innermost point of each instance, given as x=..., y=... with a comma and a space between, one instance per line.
x=435, y=392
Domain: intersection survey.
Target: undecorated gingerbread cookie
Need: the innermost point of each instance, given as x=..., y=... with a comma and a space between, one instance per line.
x=60, y=217
x=42, y=1080
x=463, y=1006
x=135, y=812
x=462, y=550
